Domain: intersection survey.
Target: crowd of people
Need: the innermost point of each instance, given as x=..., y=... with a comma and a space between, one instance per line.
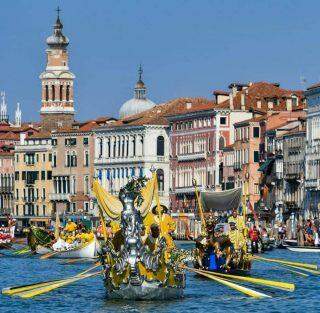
x=72, y=236
x=223, y=243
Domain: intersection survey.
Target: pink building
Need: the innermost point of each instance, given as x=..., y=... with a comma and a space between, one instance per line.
x=194, y=147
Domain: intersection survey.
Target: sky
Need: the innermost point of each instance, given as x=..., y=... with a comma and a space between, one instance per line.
x=187, y=48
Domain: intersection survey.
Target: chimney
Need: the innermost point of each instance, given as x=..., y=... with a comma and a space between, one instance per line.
x=188, y=105
x=289, y=104
x=231, y=101
x=243, y=102
x=22, y=138
x=258, y=104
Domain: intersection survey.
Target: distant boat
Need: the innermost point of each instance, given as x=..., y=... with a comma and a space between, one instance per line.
x=304, y=249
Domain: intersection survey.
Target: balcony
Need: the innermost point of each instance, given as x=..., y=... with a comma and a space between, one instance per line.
x=312, y=183
x=237, y=166
x=179, y=190
x=192, y=156
x=59, y=197
x=7, y=189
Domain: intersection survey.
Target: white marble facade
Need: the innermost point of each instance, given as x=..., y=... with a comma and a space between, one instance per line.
x=122, y=152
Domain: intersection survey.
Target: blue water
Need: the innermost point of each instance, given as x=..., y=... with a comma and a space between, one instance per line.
x=201, y=295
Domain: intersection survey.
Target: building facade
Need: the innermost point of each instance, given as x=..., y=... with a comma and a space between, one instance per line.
x=33, y=180
x=73, y=168
x=197, y=136
x=6, y=181
x=312, y=184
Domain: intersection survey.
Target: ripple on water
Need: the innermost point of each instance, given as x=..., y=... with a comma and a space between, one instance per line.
x=201, y=294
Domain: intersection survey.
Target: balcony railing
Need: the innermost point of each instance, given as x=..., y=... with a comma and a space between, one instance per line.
x=59, y=196
x=192, y=156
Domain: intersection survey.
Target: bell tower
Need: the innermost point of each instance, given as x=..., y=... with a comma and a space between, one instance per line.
x=57, y=106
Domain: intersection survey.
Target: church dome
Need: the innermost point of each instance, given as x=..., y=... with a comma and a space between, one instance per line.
x=139, y=103
x=134, y=106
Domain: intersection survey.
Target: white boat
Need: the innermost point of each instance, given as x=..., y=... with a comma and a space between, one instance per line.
x=304, y=249
x=88, y=250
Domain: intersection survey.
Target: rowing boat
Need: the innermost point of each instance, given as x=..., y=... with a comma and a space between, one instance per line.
x=304, y=249
x=87, y=250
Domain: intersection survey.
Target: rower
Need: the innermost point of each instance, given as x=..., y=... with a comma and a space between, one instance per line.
x=70, y=226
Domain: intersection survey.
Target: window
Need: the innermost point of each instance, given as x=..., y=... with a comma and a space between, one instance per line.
x=17, y=158
x=43, y=175
x=160, y=146
x=43, y=157
x=49, y=175
x=256, y=156
x=50, y=157
x=86, y=185
x=221, y=143
x=43, y=193
x=86, y=158
x=160, y=176
x=68, y=93
x=256, y=132
x=54, y=160
x=44, y=210
x=29, y=158
x=23, y=175
x=223, y=120
x=61, y=91
x=70, y=141
x=17, y=194
x=16, y=175
x=256, y=189
x=53, y=94
x=54, y=142
x=47, y=92
x=86, y=207
x=85, y=141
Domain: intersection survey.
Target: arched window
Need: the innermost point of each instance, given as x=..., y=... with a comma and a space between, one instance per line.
x=68, y=93
x=53, y=95
x=47, y=92
x=160, y=177
x=61, y=92
x=221, y=143
x=160, y=146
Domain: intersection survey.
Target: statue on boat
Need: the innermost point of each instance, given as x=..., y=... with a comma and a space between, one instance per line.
x=140, y=260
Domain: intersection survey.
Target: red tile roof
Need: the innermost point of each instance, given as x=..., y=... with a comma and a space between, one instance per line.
x=263, y=91
x=158, y=114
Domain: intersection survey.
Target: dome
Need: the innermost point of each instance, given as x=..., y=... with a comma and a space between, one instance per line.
x=140, y=102
x=57, y=40
x=134, y=106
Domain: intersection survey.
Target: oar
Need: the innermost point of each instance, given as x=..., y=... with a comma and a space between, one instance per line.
x=284, y=267
x=304, y=265
x=49, y=255
x=45, y=289
x=18, y=289
x=245, y=290
x=255, y=280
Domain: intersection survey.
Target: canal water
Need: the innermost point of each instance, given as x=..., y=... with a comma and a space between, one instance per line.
x=201, y=295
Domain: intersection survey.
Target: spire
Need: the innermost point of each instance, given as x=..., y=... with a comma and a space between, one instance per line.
x=140, y=89
x=18, y=115
x=58, y=40
x=3, y=108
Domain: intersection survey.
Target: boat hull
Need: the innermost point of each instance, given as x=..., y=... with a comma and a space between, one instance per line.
x=146, y=291
x=304, y=249
x=88, y=251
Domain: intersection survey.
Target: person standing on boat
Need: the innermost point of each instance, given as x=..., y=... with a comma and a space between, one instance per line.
x=237, y=230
